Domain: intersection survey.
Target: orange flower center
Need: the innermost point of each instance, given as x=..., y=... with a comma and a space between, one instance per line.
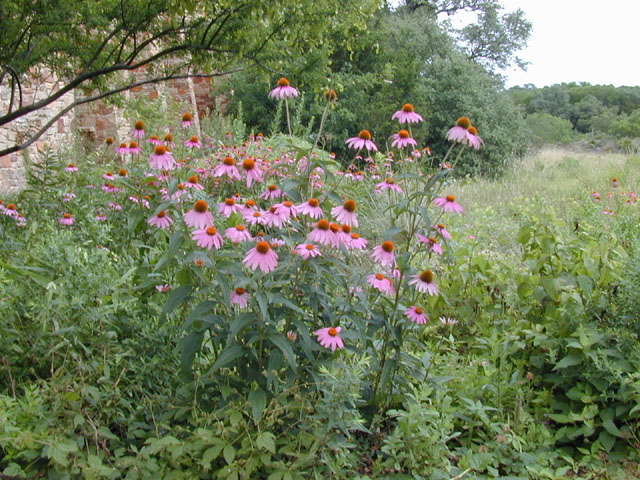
x=228, y=161
x=109, y=174
x=333, y=332
x=240, y=228
x=403, y=134
x=365, y=135
x=614, y=179
x=283, y=82
x=67, y=215
x=250, y=203
x=272, y=188
x=122, y=172
x=473, y=130
x=313, y=203
x=193, y=139
x=388, y=246
x=419, y=310
x=310, y=246
x=229, y=202
x=263, y=247
x=450, y=198
x=257, y=214
x=323, y=224
x=350, y=206
x=407, y=108
x=161, y=214
x=160, y=150
x=379, y=276
x=211, y=231
x=240, y=291
x=71, y=165
x=463, y=122
x=432, y=240
x=287, y=204
x=272, y=209
x=139, y=125
x=193, y=179
x=109, y=141
x=201, y=206
x=187, y=117
x=426, y=276
x=346, y=229
x=249, y=164
x=180, y=186
x=441, y=226
x=355, y=236
x=133, y=145
x=11, y=206
x=168, y=137
x=330, y=95
x=334, y=227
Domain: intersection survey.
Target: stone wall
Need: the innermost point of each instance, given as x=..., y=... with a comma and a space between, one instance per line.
x=91, y=122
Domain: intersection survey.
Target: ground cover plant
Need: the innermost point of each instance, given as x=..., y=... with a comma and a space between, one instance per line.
x=220, y=305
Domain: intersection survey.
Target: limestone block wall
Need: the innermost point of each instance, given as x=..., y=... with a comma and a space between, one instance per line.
x=91, y=122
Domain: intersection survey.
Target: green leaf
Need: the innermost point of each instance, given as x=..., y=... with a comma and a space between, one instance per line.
x=135, y=216
x=226, y=357
x=568, y=361
x=212, y=453
x=267, y=440
x=229, y=454
x=550, y=286
x=258, y=402
x=190, y=346
x=176, y=297
x=174, y=244
x=284, y=344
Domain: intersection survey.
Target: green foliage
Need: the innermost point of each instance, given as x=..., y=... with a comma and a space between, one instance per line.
x=545, y=129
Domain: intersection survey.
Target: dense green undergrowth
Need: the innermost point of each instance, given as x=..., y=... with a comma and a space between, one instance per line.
x=527, y=368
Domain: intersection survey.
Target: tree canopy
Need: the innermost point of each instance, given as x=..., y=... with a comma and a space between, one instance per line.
x=90, y=44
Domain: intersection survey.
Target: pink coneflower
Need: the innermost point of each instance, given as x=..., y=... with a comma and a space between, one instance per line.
x=193, y=142
x=448, y=204
x=255, y=217
x=402, y=140
x=286, y=209
x=110, y=188
x=615, y=183
x=11, y=211
x=228, y=168
x=272, y=192
x=283, y=90
x=138, y=130
x=291, y=335
x=161, y=159
x=194, y=182
x=134, y=148
x=430, y=243
x=346, y=213
x=322, y=233
x=123, y=149
x=416, y=315
x=163, y=288
x=237, y=234
x=200, y=216
x=100, y=217
x=187, y=120
x=261, y=256
x=383, y=254
x=311, y=208
x=66, y=219
x=228, y=207
x=72, y=168
x=207, y=238
x=473, y=140
x=168, y=141
x=116, y=206
x=363, y=140
x=306, y=250
x=108, y=176
x=122, y=173
x=458, y=133
x=68, y=196
x=252, y=171
x=440, y=228
x=240, y=297
x=389, y=184
x=329, y=338
x=154, y=140
x=248, y=207
x=357, y=242
x=407, y=115
x=448, y=321
x=274, y=219
x=381, y=283
x=424, y=283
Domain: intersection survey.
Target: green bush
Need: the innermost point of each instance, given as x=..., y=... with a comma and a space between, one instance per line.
x=544, y=129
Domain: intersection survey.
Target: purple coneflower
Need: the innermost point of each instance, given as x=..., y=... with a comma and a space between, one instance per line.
x=346, y=213
x=187, y=120
x=261, y=256
x=430, y=243
x=356, y=242
x=72, y=168
x=311, y=208
x=424, y=283
x=286, y=209
x=200, y=216
x=240, y=297
x=283, y=90
x=416, y=315
x=448, y=204
x=161, y=159
x=322, y=233
x=272, y=192
x=381, y=283
x=444, y=233
x=154, y=140
x=138, y=130
x=383, y=254
x=363, y=140
x=402, y=140
x=306, y=250
x=252, y=171
x=194, y=182
x=134, y=148
x=66, y=219
x=228, y=168
x=389, y=184
x=228, y=207
x=237, y=234
x=168, y=141
x=329, y=338
x=207, y=238
x=255, y=217
x=193, y=142
x=406, y=115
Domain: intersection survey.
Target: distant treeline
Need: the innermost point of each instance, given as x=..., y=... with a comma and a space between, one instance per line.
x=559, y=112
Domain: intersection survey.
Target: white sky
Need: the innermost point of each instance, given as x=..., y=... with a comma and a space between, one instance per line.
x=579, y=41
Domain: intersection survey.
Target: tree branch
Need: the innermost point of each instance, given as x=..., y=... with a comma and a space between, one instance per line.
x=64, y=111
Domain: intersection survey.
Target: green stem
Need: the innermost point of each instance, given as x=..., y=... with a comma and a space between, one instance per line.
x=286, y=106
